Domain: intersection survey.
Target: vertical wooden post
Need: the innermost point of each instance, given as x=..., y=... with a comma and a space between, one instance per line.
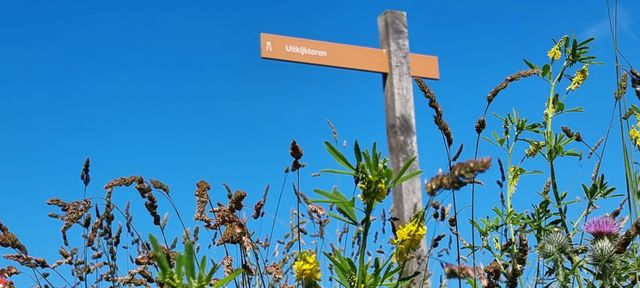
x=401, y=124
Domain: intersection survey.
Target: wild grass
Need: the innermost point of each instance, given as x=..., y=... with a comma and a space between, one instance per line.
x=556, y=241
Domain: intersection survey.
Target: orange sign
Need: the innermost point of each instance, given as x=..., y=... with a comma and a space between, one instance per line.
x=340, y=55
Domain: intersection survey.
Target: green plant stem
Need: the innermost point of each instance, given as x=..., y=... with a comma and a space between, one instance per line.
x=550, y=111
x=556, y=195
x=297, y=191
x=510, y=191
x=628, y=169
x=275, y=216
x=400, y=275
x=363, y=244
x=584, y=214
x=563, y=216
x=84, y=252
x=632, y=185
x=549, y=139
x=455, y=207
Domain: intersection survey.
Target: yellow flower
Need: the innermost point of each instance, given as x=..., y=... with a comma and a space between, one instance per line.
x=372, y=189
x=634, y=135
x=533, y=149
x=579, y=77
x=514, y=173
x=408, y=238
x=555, y=53
x=307, y=268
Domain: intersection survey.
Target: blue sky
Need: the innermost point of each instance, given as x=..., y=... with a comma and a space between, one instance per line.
x=177, y=91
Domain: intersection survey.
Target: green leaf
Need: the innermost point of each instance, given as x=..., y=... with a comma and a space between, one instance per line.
x=485, y=138
x=345, y=206
x=179, y=267
x=404, y=169
x=339, y=157
x=342, y=268
x=331, y=197
x=228, y=279
x=160, y=258
x=531, y=65
x=533, y=172
x=189, y=256
x=340, y=218
x=572, y=153
x=409, y=176
x=348, y=211
x=357, y=152
x=575, y=109
x=585, y=42
x=545, y=70
x=334, y=171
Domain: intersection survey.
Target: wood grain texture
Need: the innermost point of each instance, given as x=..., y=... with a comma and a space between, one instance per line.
x=401, y=126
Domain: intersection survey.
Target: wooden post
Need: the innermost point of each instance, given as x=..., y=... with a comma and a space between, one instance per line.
x=393, y=60
x=401, y=125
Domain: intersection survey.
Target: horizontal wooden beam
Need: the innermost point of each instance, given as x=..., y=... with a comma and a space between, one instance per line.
x=291, y=49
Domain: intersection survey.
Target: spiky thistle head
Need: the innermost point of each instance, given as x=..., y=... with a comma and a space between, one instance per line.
x=602, y=251
x=553, y=245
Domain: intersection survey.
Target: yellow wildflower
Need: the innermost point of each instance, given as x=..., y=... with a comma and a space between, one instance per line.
x=408, y=238
x=372, y=189
x=579, y=77
x=634, y=135
x=307, y=269
x=533, y=149
x=555, y=53
x=514, y=176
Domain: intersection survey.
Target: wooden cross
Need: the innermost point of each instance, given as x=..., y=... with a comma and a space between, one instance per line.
x=397, y=65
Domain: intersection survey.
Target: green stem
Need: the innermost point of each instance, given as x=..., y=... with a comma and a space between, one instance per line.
x=400, y=275
x=510, y=190
x=362, y=270
x=556, y=195
x=584, y=214
x=549, y=139
x=297, y=191
x=550, y=144
x=628, y=169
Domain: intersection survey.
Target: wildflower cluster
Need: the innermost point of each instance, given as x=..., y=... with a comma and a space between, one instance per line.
x=556, y=51
x=373, y=189
x=634, y=134
x=307, y=269
x=409, y=237
x=579, y=77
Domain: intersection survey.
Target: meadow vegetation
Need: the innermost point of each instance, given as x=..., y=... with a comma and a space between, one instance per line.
x=558, y=241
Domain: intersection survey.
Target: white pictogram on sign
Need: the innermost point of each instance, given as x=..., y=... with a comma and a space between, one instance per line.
x=268, y=48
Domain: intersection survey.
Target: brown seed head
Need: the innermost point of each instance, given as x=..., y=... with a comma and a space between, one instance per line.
x=438, y=118
x=84, y=174
x=460, y=175
x=159, y=186
x=480, y=125
x=458, y=271
x=628, y=237
x=511, y=78
x=235, y=203
x=295, y=150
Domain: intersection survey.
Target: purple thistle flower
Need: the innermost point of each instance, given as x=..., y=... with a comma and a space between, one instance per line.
x=602, y=227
